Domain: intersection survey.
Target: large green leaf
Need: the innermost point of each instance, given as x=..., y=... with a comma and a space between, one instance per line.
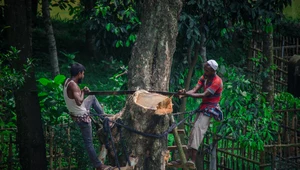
x=59, y=79
x=44, y=81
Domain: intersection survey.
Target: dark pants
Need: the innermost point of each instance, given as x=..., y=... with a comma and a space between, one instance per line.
x=86, y=129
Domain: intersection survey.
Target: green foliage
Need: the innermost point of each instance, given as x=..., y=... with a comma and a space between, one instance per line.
x=208, y=18
x=249, y=119
x=286, y=100
x=11, y=80
x=52, y=101
x=119, y=19
x=248, y=116
x=268, y=27
x=118, y=82
x=69, y=59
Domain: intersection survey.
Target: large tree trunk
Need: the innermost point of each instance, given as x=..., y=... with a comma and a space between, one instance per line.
x=30, y=136
x=51, y=38
x=152, y=55
x=268, y=80
x=149, y=68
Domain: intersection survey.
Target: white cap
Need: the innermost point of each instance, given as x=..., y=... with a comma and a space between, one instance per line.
x=213, y=64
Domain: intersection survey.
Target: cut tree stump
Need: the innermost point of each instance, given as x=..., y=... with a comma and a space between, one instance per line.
x=147, y=113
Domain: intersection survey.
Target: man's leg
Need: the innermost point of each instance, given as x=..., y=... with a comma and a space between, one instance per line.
x=86, y=131
x=197, y=135
x=92, y=102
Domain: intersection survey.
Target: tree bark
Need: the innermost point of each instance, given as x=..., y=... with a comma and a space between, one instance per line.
x=30, y=135
x=203, y=49
x=268, y=62
x=51, y=38
x=149, y=68
x=152, y=55
x=146, y=112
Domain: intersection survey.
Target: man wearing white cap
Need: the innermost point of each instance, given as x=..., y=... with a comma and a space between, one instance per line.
x=212, y=89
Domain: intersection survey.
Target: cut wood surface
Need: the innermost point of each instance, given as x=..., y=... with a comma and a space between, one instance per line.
x=159, y=103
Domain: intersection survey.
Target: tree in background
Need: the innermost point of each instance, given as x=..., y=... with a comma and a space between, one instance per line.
x=51, y=38
x=30, y=135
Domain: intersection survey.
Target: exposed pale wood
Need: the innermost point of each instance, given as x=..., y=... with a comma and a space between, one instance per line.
x=282, y=71
x=9, y=129
x=180, y=131
x=255, y=49
x=238, y=156
x=280, y=82
x=282, y=145
x=175, y=147
x=287, y=47
x=281, y=59
x=161, y=104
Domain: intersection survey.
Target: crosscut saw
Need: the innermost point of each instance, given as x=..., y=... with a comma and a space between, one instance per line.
x=126, y=92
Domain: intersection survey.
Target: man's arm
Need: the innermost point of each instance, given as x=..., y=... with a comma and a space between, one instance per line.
x=198, y=95
x=193, y=92
x=77, y=93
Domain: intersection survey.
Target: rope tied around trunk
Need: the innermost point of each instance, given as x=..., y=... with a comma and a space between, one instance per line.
x=121, y=125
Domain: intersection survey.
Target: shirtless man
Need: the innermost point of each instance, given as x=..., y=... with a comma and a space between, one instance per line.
x=79, y=109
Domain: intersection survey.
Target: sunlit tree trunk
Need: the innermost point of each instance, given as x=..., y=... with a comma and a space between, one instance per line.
x=30, y=135
x=152, y=54
x=51, y=38
x=268, y=62
x=203, y=49
x=149, y=68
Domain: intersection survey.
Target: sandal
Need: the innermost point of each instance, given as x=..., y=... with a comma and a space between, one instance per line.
x=190, y=164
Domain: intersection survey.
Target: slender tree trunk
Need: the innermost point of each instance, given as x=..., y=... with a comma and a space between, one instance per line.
x=203, y=49
x=200, y=158
x=268, y=80
x=213, y=156
x=90, y=38
x=149, y=68
x=187, y=82
x=30, y=135
x=51, y=38
x=192, y=63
